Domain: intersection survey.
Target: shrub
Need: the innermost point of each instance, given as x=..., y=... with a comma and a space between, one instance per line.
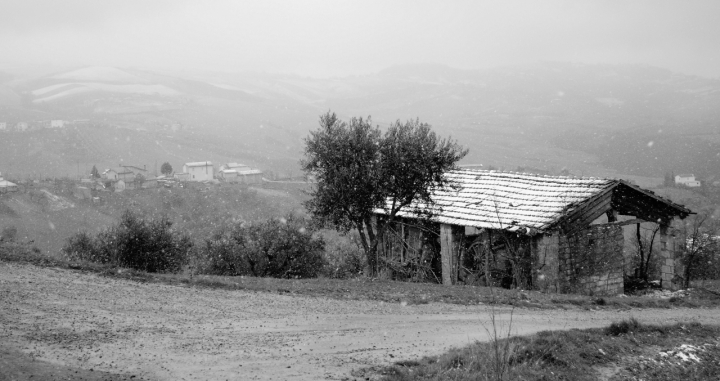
x=81, y=246
x=345, y=259
x=279, y=247
x=148, y=245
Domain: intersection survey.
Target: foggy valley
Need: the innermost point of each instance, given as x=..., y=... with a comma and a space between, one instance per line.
x=359, y=190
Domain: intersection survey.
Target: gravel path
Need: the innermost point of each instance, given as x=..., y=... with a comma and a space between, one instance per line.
x=174, y=333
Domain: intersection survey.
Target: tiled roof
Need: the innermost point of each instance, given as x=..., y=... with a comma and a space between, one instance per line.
x=508, y=200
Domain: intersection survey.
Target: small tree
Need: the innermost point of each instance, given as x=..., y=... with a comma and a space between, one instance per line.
x=166, y=168
x=359, y=170
x=94, y=173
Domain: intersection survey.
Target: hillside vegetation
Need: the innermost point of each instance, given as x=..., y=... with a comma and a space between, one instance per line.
x=48, y=220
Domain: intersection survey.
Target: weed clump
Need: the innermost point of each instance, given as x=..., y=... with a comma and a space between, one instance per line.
x=622, y=328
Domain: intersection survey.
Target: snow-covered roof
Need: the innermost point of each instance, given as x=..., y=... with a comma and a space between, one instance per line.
x=515, y=201
x=199, y=164
x=6, y=184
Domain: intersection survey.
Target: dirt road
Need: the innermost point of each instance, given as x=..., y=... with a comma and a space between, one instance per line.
x=172, y=333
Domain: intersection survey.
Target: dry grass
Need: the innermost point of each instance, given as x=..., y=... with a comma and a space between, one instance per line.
x=624, y=350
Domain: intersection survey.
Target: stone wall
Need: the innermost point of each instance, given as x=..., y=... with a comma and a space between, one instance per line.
x=591, y=261
x=545, y=263
x=669, y=268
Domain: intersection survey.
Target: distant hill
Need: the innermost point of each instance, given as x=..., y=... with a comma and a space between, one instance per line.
x=602, y=120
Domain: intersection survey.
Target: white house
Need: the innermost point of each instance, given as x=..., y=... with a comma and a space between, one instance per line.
x=199, y=171
x=3, y=126
x=21, y=127
x=57, y=123
x=229, y=175
x=687, y=180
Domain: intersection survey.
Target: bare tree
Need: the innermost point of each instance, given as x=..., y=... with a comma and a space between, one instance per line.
x=700, y=247
x=644, y=244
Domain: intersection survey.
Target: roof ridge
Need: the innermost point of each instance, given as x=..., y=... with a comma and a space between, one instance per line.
x=495, y=171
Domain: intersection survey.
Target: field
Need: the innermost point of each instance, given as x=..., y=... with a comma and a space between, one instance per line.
x=82, y=321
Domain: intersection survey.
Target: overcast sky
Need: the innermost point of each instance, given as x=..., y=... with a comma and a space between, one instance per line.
x=332, y=38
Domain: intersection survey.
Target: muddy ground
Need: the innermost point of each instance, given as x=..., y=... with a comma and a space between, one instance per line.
x=66, y=321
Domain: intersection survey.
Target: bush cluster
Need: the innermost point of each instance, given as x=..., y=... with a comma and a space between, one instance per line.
x=279, y=247
x=138, y=243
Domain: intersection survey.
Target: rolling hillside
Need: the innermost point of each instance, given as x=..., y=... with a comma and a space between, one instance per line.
x=603, y=120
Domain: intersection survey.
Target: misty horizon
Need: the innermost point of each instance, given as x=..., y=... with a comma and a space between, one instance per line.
x=338, y=39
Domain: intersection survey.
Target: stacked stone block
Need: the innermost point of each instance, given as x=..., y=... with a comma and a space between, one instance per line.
x=668, y=248
x=591, y=261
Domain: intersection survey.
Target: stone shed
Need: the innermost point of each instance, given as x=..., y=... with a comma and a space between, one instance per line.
x=554, y=233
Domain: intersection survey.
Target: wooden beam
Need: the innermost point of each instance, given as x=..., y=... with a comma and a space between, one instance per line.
x=582, y=217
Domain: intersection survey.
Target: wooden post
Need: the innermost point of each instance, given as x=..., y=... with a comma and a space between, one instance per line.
x=450, y=241
x=446, y=256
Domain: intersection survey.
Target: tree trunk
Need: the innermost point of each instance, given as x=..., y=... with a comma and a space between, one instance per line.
x=688, y=270
x=370, y=257
x=372, y=252
x=641, y=272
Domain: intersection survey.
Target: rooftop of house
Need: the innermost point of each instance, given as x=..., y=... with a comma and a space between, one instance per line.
x=529, y=203
x=235, y=165
x=132, y=167
x=199, y=164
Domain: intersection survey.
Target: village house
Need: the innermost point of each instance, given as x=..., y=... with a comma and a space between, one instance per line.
x=234, y=166
x=21, y=127
x=687, y=180
x=240, y=173
x=553, y=233
x=57, y=123
x=199, y=171
x=3, y=126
